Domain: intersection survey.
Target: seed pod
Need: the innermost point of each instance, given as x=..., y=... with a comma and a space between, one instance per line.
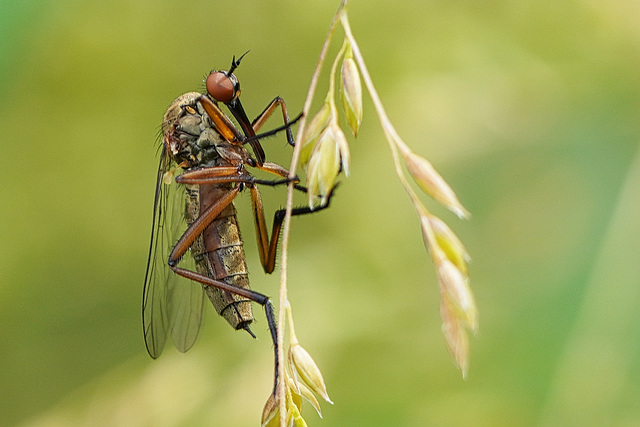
x=449, y=243
x=313, y=131
x=351, y=92
x=323, y=167
x=456, y=337
x=432, y=183
x=308, y=371
x=455, y=286
x=270, y=410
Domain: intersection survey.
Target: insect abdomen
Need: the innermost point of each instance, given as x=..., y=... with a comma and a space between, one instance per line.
x=219, y=254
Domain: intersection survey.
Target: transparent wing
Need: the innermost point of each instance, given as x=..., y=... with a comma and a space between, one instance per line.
x=185, y=297
x=170, y=302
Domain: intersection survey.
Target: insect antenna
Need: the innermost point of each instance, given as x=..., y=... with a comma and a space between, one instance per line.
x=234, y=63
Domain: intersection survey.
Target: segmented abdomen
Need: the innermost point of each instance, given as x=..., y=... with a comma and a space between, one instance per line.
x=219, y=253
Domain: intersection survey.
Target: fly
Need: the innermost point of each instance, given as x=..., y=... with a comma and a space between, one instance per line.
x=203, y=167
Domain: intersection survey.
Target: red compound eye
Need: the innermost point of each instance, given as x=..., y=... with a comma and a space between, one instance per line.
x=220, y=87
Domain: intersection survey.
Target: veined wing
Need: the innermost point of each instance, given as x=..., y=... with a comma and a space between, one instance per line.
x=171, y=303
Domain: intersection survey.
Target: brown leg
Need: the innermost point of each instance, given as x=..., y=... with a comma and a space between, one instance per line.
x=192, y=233
x=198, y=226
x=267, y=247
x=261, y=299
x=262, y=118
x=222, y=123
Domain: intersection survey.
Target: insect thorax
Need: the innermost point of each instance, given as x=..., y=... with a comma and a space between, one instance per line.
x=189, y=133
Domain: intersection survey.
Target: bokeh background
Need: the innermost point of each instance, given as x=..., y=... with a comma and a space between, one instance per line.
x=530, y=109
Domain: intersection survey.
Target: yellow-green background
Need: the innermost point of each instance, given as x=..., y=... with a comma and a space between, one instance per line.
x=530, y=109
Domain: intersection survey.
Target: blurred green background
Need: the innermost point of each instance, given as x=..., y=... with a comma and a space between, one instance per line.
x=528, y=108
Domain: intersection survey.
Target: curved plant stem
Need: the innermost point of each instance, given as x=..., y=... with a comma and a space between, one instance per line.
x=283, y=300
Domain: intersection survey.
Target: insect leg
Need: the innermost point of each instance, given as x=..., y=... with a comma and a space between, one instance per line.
x=187, y=239
x=198, y=226
x=267, y=248
x=229, y=174
x=257, y=297
x=222, y=123
x=226, y=127
x=273, y=105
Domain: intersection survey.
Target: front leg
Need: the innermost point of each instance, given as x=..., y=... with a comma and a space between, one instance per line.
x=273, y=105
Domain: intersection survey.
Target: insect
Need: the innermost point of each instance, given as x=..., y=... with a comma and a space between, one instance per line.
x=194, y=212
